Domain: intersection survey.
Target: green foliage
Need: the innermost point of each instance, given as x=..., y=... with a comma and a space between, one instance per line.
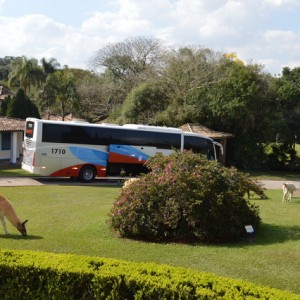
x=241, y=101
x=186, y=71
x=38, y=275
x=5, y=67
x=3, y=105
x=21, y=107
x=59, y=89
x=83, y=229
x=282, y=157
x=50, y=66
x=288, y=89
x=143, y=103
x=192, y=85
x=186, y=198
x=25, y=73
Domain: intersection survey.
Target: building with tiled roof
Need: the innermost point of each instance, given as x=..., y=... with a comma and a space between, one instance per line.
x=11, y=124
x=221, y=137
x=11, y=138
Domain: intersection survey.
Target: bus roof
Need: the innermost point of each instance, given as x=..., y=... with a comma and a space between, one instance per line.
x=111, y=125
x=152, y=128
x=125, y=126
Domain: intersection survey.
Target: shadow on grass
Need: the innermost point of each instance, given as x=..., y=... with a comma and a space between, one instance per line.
x=273, y=234
x=20, y=237
x=65, y=181
x=269, y=234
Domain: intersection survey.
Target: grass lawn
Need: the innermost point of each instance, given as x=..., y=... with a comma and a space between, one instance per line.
x=73, y=219
x=13, y=171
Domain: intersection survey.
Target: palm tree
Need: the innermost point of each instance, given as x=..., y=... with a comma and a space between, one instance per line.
x=50, y=66
x=60, y=88
x=25, y=74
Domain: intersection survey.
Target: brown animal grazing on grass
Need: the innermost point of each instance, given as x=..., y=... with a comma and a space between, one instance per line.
x=7, y=211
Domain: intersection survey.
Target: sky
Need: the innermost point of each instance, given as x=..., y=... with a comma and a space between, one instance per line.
x=266, y=32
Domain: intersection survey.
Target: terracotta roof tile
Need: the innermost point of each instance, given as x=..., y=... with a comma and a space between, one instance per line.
x=11, y=124
x=200, y=129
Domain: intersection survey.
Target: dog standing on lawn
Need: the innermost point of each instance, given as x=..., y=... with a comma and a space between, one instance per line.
x=288, y=191
x=7, y=211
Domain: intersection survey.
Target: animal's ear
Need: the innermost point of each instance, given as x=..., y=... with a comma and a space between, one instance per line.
x=24, y=222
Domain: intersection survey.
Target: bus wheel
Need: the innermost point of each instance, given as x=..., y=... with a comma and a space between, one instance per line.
x=87, y=174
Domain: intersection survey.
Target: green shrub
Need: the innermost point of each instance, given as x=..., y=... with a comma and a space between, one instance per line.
x=38, y=275
x=282, y=157
x=186, y=198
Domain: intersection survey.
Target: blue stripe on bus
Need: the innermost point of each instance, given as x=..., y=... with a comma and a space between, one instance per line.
x=128, y=151
x=90, y=155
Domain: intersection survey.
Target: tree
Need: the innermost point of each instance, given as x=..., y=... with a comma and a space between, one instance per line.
x=125, y=65
x=184, y=71
x=5, y=67
x=3, y=105
x=241, y=101
x=96, y=98
x=288, y=87
x=60, y=89
x=25, y=74
x=50, y=66
x=21, y=107
x=129, y=59
x=143, y=104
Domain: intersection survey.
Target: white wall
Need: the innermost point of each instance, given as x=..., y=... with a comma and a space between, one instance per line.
x=16, y=147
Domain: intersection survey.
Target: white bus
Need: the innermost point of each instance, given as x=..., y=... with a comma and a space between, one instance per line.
x=83, y=150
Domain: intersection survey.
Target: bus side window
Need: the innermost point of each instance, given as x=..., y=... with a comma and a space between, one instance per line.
x=198, y=145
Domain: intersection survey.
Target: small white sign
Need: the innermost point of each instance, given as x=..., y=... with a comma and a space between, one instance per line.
x=249, y=229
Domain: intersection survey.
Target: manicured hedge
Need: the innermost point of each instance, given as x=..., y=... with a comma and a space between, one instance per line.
x=38, y=275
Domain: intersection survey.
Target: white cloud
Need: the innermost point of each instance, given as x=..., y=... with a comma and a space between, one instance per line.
x=274, y=49
x=285, y=38
x=39, y=36
x=225, y=21
x=281, y=3
x=130, y=18
x=237, y=26
x=284, y=45
x=30, y=32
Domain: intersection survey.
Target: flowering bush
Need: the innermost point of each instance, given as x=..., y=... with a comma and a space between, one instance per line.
x=185, y=198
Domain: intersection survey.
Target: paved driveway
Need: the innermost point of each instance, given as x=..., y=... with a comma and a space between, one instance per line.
x=18, y=181
x=29, y=181
x=277, y=184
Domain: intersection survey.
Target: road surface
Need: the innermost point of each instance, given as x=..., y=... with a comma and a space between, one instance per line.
x=30, y=181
